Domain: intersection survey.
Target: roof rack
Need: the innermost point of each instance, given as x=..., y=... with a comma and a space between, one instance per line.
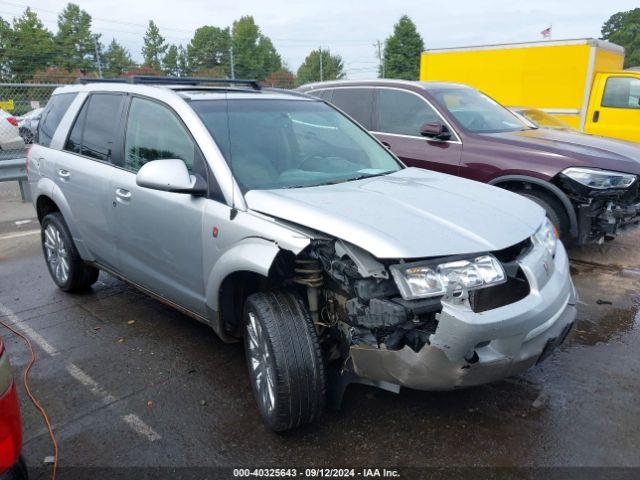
x=153, y=80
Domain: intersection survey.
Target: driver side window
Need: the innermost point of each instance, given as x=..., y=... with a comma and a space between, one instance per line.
x=403, y=113
x=153, y=133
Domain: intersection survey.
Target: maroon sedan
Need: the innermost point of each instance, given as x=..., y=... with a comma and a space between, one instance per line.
x=588, y=185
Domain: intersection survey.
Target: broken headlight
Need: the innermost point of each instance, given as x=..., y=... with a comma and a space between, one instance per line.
x=599, y=179
x=422, y=280
x=546, y=236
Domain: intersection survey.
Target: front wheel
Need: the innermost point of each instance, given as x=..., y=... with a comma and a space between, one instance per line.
x=66, y=267
x=284, y=359
x=554, y=210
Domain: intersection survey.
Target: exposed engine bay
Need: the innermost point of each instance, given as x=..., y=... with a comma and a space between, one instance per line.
x=354, y=300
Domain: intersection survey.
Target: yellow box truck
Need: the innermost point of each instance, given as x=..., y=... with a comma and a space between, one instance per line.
x=579, y=81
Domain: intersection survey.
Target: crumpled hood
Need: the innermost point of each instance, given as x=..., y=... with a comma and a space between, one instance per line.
x=578, y=148
x=412, y=213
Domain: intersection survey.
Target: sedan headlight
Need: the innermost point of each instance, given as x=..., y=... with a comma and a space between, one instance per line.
x=421, y=280
x=546, y=236
x=599, y=179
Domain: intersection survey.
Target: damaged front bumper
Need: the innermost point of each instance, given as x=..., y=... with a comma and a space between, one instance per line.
x=470, y=348
x=600, y=219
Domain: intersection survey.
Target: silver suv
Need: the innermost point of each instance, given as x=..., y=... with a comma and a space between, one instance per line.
x=273, y=217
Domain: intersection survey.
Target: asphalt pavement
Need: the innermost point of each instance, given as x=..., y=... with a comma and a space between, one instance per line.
x=130, y=383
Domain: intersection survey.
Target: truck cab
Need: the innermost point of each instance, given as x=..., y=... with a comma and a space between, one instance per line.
x=614, y=106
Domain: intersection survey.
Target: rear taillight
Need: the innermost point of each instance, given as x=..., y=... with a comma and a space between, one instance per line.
x=12, y=121
x=10, y=429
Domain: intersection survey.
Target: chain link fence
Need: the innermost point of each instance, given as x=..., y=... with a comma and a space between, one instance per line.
x=20, y=108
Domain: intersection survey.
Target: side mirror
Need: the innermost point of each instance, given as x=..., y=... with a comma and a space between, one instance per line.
x=435, y=130
x=170, y=176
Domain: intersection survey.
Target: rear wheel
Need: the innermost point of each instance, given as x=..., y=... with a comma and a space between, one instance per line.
x=66, y=267
x=284, y=359
x=554, y=209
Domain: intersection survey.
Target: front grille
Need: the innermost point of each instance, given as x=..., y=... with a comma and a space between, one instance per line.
x=512, y=253
x=514, y=289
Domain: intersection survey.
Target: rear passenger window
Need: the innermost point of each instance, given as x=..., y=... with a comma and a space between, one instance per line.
x=403, y=113
x=357, y=103
x=95, y=129
x=51, y=116
x=154, y=133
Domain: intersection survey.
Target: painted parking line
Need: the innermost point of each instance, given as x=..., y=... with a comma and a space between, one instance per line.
x=138, y=425
x=9, y=236
x=133, y=421
x=30, y=332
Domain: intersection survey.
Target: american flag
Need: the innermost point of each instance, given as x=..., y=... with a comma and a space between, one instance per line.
x=546, y=33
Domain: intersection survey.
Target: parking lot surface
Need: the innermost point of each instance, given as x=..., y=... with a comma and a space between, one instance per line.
x=129, y=382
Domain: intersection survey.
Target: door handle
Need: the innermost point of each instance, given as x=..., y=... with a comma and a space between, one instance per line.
x=64, y=174
x=386, y=145
x=596, y=116
x=123, y=195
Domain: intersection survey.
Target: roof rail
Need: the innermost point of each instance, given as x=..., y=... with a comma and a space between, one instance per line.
x=153, y=80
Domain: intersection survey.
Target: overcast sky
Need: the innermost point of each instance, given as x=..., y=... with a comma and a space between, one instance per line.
x=349, y=28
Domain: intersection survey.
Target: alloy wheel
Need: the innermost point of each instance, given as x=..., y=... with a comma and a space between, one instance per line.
x=56, y=253
x=261, y=365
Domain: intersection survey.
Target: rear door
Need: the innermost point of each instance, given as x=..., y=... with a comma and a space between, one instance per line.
x=159, y=234
x=83, y=170
x=399, y=117
x=614, y=109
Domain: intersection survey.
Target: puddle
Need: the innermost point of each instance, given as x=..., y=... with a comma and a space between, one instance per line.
x=608, y=308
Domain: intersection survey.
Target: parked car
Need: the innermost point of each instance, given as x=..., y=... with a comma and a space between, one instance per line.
x=272, y=217
x=28, y=124
x=587, y=185
x=540, y=119
x=9, y=136
x=12, y=466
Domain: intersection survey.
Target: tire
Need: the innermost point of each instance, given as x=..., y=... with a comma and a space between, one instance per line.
x=555, y=211
x=281, y=344
x=59, y=250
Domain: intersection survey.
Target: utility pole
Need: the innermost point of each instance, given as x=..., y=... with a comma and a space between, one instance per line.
x=321, y=73
x=233, y=72
x=380, y=59
x=99, y=63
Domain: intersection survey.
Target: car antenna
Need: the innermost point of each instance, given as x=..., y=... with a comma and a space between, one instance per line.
x=234, y=210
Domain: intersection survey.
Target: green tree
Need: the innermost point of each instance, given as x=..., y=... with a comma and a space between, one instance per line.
x=208, y=49
x=74, y=41
x=5, y=42
x=154, y=47
x=116, y=60
x=28, y=47
x=253, y=53
x=183, y=63
x=170, y=62
x=623, y=28
x=402, y=51
x=332, y=67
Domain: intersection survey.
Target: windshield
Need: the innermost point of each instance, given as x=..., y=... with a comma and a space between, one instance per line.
x=543, y=119
x=291, y=143
x=476, y=112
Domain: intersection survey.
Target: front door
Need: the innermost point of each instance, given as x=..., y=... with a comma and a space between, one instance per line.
x=159, y=234
x=400, y=115
x=614, y=109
